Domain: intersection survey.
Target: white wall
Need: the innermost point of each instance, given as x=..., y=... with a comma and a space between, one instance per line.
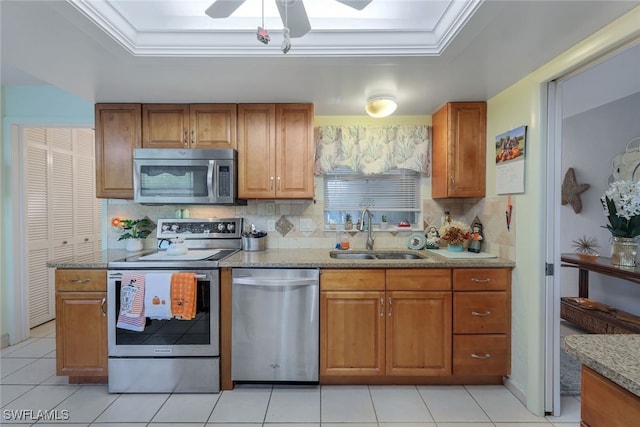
x=525, y=103
x=590, y=140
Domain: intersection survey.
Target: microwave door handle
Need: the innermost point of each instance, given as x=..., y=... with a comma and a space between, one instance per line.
x=212, y=167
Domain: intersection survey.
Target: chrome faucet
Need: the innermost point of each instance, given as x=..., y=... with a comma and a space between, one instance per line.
x=370, y=238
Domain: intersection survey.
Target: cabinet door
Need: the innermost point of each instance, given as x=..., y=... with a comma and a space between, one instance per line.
x=352, y=333
x=459, y=150
x=165, y=126
x=295, y=151
x=213, y=125
x=256, y=151
x=118, y=132
x=81, y=334
x=418, y=337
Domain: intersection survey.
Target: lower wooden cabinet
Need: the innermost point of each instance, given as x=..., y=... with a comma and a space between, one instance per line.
x=399, y=323
x=481, y=321
x=81, y=324
x=605, y=404
x=367, y=331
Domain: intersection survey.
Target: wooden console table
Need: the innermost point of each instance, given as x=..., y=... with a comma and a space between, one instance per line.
x=604, y=319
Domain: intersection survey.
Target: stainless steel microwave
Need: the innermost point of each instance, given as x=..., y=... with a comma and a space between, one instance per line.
x=170, y=176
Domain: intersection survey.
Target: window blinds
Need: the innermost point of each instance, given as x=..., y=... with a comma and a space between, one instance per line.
x=396, y=190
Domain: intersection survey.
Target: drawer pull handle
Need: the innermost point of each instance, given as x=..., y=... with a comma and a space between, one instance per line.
x=480, y=356
x=390, y=307
x=104, y=313
x=80, y=281
x=486, y=313
x=474, y=280
x=382, y=307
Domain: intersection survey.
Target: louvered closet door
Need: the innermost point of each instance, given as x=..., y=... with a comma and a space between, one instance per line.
x=61, y=211
x=63, y=215
x=84, y=206
x=37, y=224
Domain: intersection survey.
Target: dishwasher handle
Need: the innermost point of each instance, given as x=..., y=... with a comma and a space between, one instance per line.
x=274, y=282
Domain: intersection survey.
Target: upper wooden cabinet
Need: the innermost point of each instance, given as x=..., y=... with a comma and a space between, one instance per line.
x=118, y=132
x=189, y=125
x=459, y=150
x=275, y=151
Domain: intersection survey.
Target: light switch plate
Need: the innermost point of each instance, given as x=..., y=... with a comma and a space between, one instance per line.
x=306, y=224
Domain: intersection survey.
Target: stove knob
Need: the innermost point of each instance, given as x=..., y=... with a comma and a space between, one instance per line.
x=165, y=227
x=230, y=227
x=221, y=227
x=175, y=227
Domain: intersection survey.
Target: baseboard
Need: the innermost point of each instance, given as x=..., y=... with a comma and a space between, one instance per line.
x=515, y=391
x=4, y=340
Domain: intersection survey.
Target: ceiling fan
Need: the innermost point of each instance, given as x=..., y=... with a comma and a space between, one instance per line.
x=292, y=12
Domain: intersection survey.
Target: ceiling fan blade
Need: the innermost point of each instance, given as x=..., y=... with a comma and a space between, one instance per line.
x=296, y=17
x=223, y=8
x=356, y=4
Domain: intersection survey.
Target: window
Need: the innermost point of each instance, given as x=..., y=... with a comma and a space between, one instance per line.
x=395, y=194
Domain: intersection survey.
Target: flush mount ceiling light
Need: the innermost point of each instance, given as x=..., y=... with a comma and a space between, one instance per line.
x=381, y=106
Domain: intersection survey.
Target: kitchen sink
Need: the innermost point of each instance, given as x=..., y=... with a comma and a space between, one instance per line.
x=376, y=255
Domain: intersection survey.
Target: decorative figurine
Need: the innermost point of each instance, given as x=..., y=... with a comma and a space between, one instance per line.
x=475, y=241
x=433, y=237
x=263, y=36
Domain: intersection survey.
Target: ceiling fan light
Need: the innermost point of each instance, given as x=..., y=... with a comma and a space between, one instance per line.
x=382, y=106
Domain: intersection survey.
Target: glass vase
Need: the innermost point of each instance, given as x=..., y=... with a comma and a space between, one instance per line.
x=624, y=251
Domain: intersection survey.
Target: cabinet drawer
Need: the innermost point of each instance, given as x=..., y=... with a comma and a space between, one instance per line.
x=480, y=355
x=481, y=279
x=480, y=312
x=352, y=280
x=431, y=279
x=81, y=280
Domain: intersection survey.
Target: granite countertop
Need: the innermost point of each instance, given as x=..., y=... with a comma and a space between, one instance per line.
x=292, y=258
x=319, y=258
x=614, y=356
x=91, y=260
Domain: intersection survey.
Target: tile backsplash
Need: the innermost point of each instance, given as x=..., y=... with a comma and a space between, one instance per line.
x=300, y=223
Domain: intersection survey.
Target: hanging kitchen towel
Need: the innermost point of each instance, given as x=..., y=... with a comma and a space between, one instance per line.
x=131, y=315
x=183, y=295
x=157, y=296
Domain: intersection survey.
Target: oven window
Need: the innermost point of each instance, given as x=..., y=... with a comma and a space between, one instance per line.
x=180, y=181
x=196, y=331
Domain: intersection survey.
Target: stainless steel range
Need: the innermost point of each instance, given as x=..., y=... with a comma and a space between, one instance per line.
x=156, y=341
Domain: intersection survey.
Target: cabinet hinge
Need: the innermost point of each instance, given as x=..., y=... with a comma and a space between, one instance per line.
x=548, y=269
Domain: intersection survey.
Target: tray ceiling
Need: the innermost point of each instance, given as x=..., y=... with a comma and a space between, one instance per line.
x=181, y=27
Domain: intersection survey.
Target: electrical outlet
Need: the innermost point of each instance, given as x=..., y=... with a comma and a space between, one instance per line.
x=306, y=224
x=271, y=225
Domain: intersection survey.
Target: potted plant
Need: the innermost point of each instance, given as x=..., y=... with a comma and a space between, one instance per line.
x=455, y=233
x=134, y=231
x=348, y=223
x=384, y=224
x=621, y=203
x=585, y=248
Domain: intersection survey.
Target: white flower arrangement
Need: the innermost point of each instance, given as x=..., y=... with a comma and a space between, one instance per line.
x=621, y=203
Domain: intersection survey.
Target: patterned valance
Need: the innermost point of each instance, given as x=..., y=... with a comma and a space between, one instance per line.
x=372, y=149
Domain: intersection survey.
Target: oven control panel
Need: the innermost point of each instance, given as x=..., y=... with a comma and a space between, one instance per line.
x=199, y=228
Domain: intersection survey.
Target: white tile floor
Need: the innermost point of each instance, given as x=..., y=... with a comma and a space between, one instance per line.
x=28, y=382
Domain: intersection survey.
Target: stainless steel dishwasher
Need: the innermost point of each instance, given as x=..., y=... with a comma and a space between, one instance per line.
x=275, y=325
